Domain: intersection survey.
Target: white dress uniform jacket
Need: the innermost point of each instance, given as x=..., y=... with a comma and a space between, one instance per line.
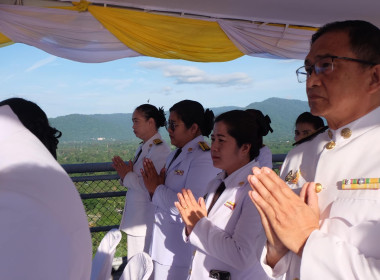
x=265, y=157
x=347, y=244
x=231, y=238
x=192, y=169
x=44, y=229
x=138, y=215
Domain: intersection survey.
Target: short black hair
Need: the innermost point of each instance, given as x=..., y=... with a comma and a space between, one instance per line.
x=364, y=37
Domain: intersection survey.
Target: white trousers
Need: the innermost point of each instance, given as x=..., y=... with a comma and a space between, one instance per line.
x=137, y=244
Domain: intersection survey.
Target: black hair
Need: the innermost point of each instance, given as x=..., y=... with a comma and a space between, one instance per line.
x=263, y=123
x=307, y=117
x=364, y=37
x=242, y=127
x=150, y=111
x=35, y=119
x=191, y=112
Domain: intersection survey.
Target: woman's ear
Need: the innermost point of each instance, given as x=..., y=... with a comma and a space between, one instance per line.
x=245, y=148
x=194, y=128
x=151, y=122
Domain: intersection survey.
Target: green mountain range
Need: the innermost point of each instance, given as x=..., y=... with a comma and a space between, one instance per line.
x=115, y=127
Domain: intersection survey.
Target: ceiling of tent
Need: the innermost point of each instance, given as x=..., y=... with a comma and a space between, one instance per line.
x=196, y=30
x=297, y=12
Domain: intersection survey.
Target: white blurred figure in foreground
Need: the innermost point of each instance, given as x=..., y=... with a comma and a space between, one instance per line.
x=44, y=230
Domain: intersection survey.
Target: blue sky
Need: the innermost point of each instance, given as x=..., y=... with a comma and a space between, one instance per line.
x=63, y=87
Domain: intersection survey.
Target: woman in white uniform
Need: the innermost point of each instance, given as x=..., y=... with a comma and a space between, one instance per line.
x=138, y=215
x=226, y=231
x=189, y=166
x=263, y=123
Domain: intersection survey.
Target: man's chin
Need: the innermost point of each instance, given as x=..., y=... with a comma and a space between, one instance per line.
x=315, y=109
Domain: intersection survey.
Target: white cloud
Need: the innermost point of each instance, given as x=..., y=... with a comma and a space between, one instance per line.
x=41, y=63
x=167, y=90
x=193, y=75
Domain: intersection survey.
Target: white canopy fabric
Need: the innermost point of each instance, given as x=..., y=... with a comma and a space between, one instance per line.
x=68, y=34
x=263, y=28
x=267, y=41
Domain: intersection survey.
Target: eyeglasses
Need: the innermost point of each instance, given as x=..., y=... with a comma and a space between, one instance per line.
x=324, y=65
x=171, y=125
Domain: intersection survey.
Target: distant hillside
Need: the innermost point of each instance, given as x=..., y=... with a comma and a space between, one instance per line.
x=91, y=127
x=283, y=114
x=76, y=127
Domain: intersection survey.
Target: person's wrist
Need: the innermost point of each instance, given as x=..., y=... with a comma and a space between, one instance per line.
x=123, y=175
x=275, y=253
x=188, y=230
x=152, y=190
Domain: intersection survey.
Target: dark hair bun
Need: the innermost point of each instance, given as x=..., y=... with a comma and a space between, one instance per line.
x=262, y=121
x=208, y=122
x=190, y=112
x=151, y=111
x=161, y=119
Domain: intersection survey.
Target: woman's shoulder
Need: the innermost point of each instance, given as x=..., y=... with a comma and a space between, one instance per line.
x=197, y=146
x=158, y=142
x=265, y=150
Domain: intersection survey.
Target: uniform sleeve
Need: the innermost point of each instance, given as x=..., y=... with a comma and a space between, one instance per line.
x=340, y=259
x=133, y=180
x=281, y=267
x=241, y=249
x=199, y=174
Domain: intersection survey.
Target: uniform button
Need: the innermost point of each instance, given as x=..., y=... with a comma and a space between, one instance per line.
x=318, y=187
x=329, y=132
x=189, y=271
x=330, y=145
x=194, y=252
x=296, y=278
x=346, y=133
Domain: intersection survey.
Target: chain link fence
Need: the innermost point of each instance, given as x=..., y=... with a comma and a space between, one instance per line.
x=104, y=198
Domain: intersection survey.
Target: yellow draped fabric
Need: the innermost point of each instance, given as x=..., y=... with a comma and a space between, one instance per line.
x=167, y=36
x=4, y=40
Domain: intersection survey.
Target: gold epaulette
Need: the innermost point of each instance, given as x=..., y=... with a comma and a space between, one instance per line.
x=157, y=141
x=204, y=146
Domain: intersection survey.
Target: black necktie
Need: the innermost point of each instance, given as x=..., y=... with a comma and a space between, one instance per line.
x=137, y=156
x=218, y=192
x=175, y=156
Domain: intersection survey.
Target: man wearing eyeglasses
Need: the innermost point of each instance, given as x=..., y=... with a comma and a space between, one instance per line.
x=331, y=230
